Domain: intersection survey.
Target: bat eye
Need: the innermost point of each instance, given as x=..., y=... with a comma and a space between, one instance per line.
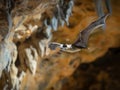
x=64, y=45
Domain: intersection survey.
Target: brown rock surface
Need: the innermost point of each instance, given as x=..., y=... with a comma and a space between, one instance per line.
x=84, y=70
x=103, y=71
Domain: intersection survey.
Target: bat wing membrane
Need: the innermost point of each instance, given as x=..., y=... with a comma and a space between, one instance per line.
x=82, y=40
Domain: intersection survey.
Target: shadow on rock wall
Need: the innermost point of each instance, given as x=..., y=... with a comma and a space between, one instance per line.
x=102, y=74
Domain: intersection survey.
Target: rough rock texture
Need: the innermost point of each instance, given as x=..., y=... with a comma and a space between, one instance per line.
x=39, y=68
x=103, y=72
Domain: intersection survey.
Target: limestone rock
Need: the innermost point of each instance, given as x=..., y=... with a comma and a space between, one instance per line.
x=33, y=65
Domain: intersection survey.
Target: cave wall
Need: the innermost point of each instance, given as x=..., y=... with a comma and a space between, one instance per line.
x=39, y=69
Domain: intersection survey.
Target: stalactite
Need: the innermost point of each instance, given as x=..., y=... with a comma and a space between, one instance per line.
x=27, y=44
x=31, y=59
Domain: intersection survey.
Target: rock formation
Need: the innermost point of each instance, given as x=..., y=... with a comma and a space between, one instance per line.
x=26, y=29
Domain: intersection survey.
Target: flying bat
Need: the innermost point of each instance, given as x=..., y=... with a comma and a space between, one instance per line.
x=82, y=39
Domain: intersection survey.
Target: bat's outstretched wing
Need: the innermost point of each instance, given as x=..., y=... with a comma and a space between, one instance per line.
x=82, y=40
